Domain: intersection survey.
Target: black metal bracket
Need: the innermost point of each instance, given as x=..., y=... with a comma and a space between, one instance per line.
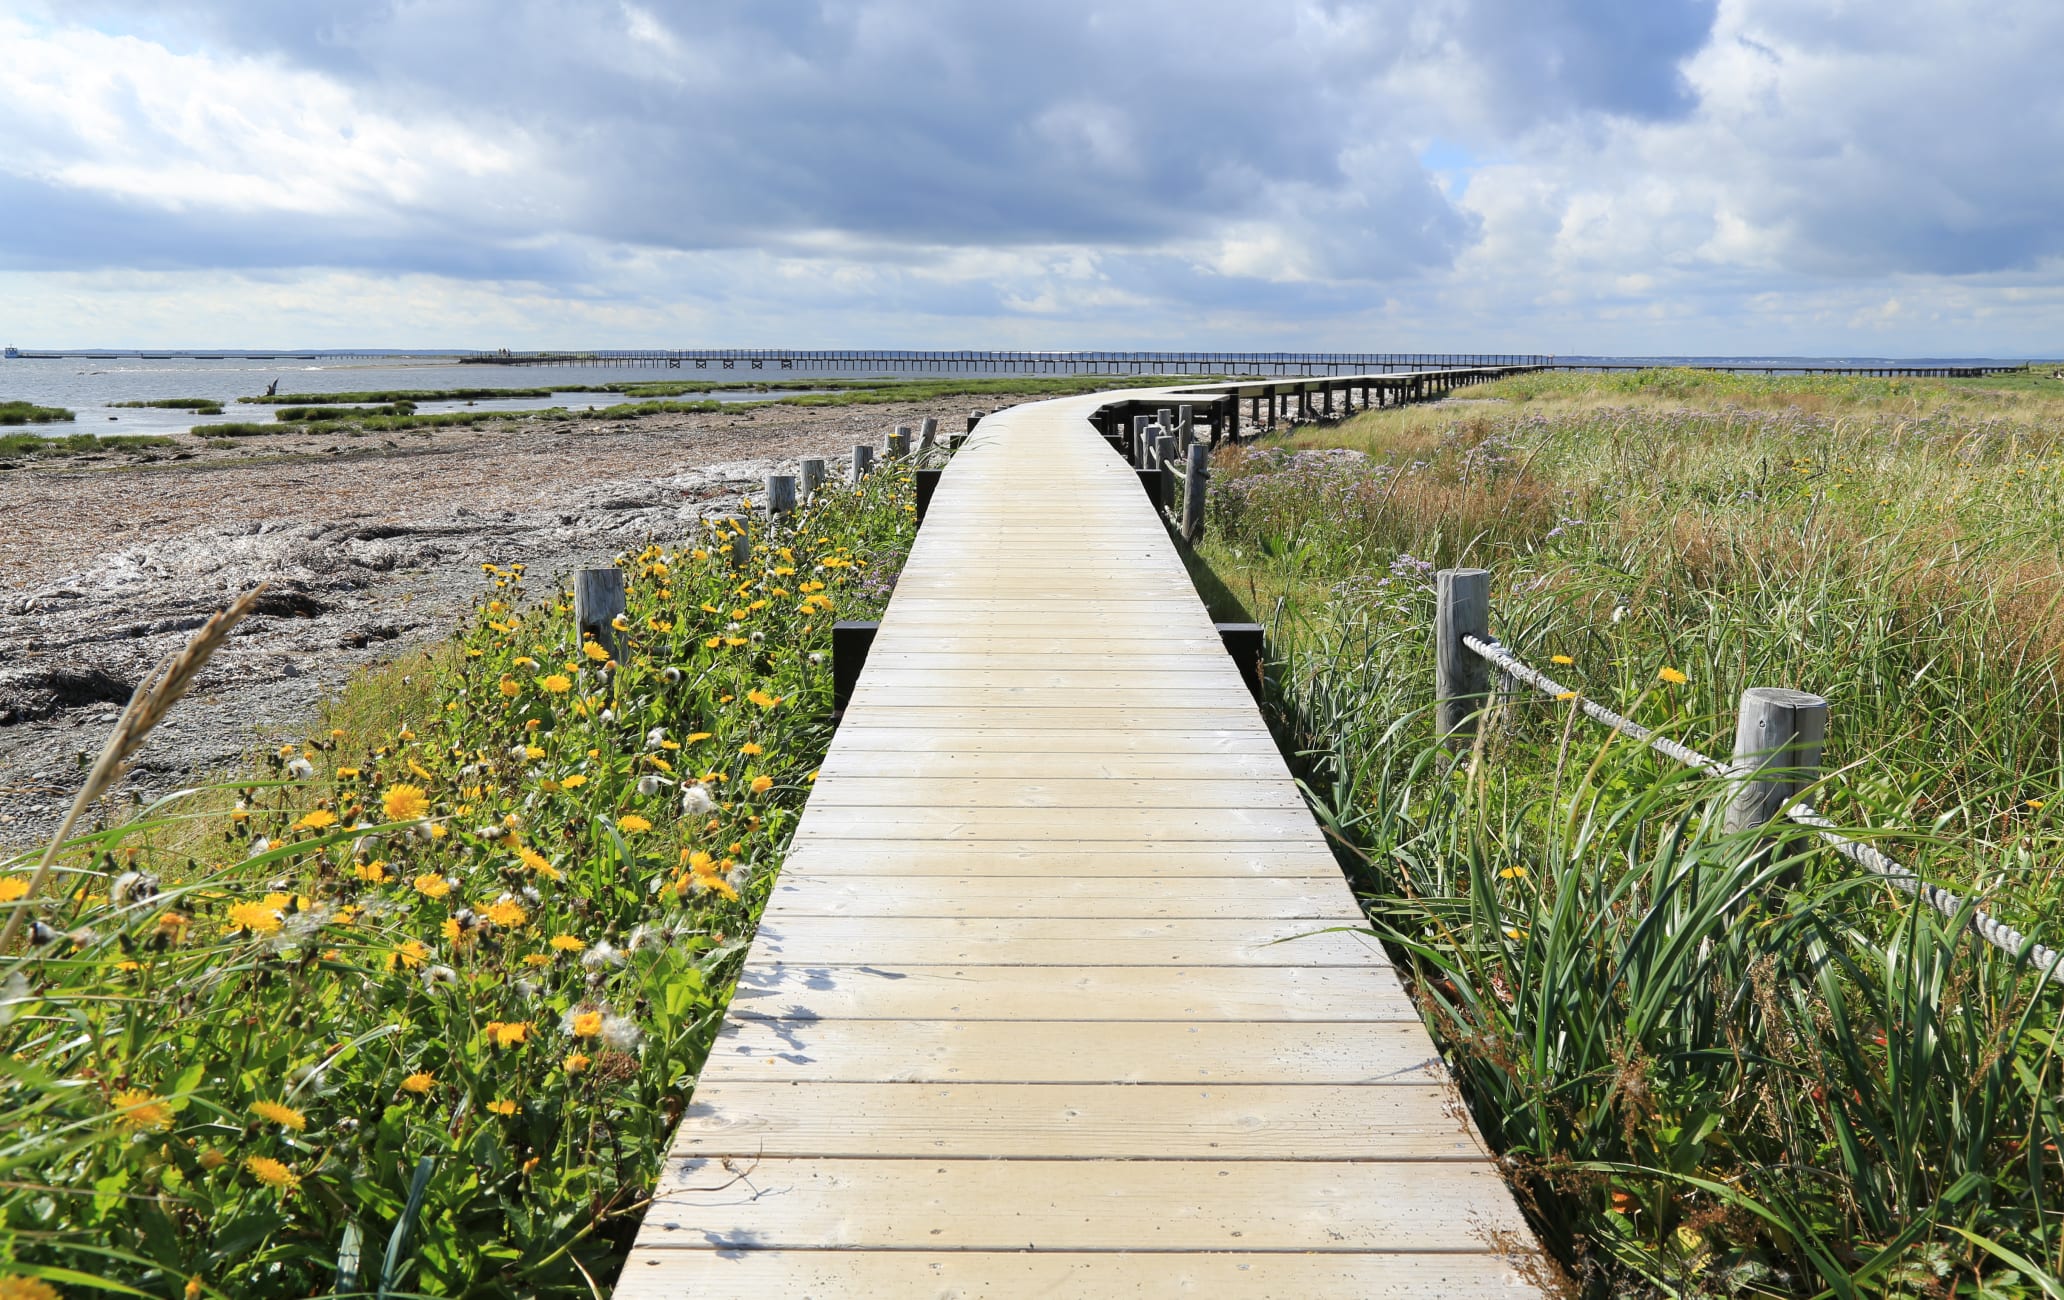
x=927, y=483
x=1244, y=642
x=850, y=642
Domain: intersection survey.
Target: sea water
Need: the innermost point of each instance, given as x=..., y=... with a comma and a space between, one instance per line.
x=88, y=386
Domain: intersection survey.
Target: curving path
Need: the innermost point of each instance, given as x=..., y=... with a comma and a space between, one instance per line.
x=1017, y=1021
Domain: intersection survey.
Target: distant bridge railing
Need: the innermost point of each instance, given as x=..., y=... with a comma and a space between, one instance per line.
x=969, y=361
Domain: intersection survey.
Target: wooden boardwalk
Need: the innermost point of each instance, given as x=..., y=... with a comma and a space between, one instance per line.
x=1043, y=1004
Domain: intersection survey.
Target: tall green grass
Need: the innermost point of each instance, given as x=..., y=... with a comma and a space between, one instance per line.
x=1715, y=1064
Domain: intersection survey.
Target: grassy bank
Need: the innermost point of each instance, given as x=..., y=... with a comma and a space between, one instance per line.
x=30, y=413
x=198, y=405
x=35, y=446
x=1715, y=1066
x=417, y=1004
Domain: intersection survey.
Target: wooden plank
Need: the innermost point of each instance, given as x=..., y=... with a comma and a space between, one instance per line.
x=1113, y=722
x=965, y=824
x=849, y=762
x=1057, y=941
x=1058, y=860
x=1088, y=1205
x=1111, y=1121
x=866, y=733
x=1073, y=793
x=768, y=991
x=710, y=1274
x=1078, y=1051
x=797, y=893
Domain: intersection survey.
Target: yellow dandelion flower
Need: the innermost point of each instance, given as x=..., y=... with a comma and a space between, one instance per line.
x=257, y=918
x=319, y=819
x=762, y=699
x=405, y=803
x=567, y=943
x=272, y=1173
x=594, y=651
x=502, y=1108
x=347, y=774
x=139, y=1109
x=632, y=823
x=587, y=1024
x=373, y=873
x=1512, y=873
x=762, y=784
x=12, y=888
x=510, y=1034
x=211, y=1159
x=1672, y=676
x=509, y=688
x=694, y=736
x=13, y=1286
x=537, y=959
x=557, y=684
x=273, y=1112
x=1563, y=660
x=811, y=777
x=409, y=955
x=574, y=782
x=751, y=749
x=575, y=1062
x=419, y=1083
x=1566, y=696
x=432, y=885
x=2034, y=803
x=506, y=912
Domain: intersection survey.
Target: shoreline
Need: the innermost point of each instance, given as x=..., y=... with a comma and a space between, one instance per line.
x=371, y=547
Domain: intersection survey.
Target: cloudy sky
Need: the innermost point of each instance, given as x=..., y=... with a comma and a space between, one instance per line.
x=1878, y=177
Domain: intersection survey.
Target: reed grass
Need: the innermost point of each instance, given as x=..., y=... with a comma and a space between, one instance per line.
x=1715, y=1064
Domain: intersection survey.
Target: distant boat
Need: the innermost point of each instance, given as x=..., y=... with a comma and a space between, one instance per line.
x=13, y=353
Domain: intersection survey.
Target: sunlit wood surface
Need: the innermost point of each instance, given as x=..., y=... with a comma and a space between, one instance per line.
x=1050, y=998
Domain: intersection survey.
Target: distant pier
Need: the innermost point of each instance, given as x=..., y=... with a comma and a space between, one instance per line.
x=971, y=361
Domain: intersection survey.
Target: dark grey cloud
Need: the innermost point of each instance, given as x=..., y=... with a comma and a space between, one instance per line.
x=691, y=125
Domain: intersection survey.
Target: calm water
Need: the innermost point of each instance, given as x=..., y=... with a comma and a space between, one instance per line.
x=87, y=387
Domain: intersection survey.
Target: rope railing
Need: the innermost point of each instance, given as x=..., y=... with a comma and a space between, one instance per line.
x=2047, y=960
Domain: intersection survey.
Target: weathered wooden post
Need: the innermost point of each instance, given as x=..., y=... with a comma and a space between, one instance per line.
x=1778, y=736
x=927, y=484
x=813, y=476
x=598, y=601
x=1185, y=422
x=863, y=459
x=1139, y=438
x=974, y=418
x=781, y=494
x=899, y=442
x=741, y=542
x=1167, y=458
x=928, y=433
x=1165, y=417
x=1194, y=479
x=1461, y=679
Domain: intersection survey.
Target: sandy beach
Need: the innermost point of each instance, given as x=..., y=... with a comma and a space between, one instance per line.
x=371, y=546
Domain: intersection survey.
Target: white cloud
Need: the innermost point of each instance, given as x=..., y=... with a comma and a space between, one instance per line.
x=131, y=120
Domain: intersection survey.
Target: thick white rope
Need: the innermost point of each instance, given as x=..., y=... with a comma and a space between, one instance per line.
x=1994, y=931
